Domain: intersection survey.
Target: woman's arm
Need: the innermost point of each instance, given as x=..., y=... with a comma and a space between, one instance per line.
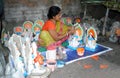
x=55, y=36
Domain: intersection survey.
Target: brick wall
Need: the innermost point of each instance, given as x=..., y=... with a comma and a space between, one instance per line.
x=21, y=10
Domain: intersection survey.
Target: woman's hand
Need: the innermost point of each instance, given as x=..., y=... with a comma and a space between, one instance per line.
x=40, y=41
x=72, y=31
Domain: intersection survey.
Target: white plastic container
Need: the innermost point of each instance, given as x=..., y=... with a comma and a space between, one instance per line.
x=51, y=53
x=51, y=57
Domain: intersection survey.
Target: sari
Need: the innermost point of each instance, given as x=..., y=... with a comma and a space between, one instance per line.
x=47, y=38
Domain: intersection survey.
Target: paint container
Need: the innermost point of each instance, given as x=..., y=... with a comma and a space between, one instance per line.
x=80, y=51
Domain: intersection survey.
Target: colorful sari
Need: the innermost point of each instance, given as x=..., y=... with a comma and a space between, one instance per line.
x=47, y=38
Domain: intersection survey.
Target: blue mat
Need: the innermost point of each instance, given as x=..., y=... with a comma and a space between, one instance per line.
x=72, y=54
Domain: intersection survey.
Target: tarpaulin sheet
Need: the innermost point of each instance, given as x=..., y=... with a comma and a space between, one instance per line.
x=72, y=55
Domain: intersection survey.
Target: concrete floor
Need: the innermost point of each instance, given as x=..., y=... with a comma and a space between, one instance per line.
x=76, y=69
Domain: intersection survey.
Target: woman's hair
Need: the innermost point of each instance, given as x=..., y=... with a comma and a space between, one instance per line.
x=53, y=11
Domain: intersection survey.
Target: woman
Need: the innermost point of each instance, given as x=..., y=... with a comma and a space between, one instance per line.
x=50, y=34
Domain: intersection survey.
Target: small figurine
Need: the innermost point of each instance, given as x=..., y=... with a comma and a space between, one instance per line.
x=18, y=30
x=36, y=31
x=91, y=39
x=39, y=22
x=74, y=43
x=61, y=53
x=76, y=39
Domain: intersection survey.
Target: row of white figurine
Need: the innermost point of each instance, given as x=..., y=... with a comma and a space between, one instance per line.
x=22, y=54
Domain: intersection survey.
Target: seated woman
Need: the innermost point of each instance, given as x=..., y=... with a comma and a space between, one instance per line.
x=54, y=31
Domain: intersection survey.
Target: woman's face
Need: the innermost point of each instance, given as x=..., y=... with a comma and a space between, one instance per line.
x=58, y=16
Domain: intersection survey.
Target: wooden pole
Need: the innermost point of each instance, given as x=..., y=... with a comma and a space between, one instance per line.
x=85, y=11
x=105, y=21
